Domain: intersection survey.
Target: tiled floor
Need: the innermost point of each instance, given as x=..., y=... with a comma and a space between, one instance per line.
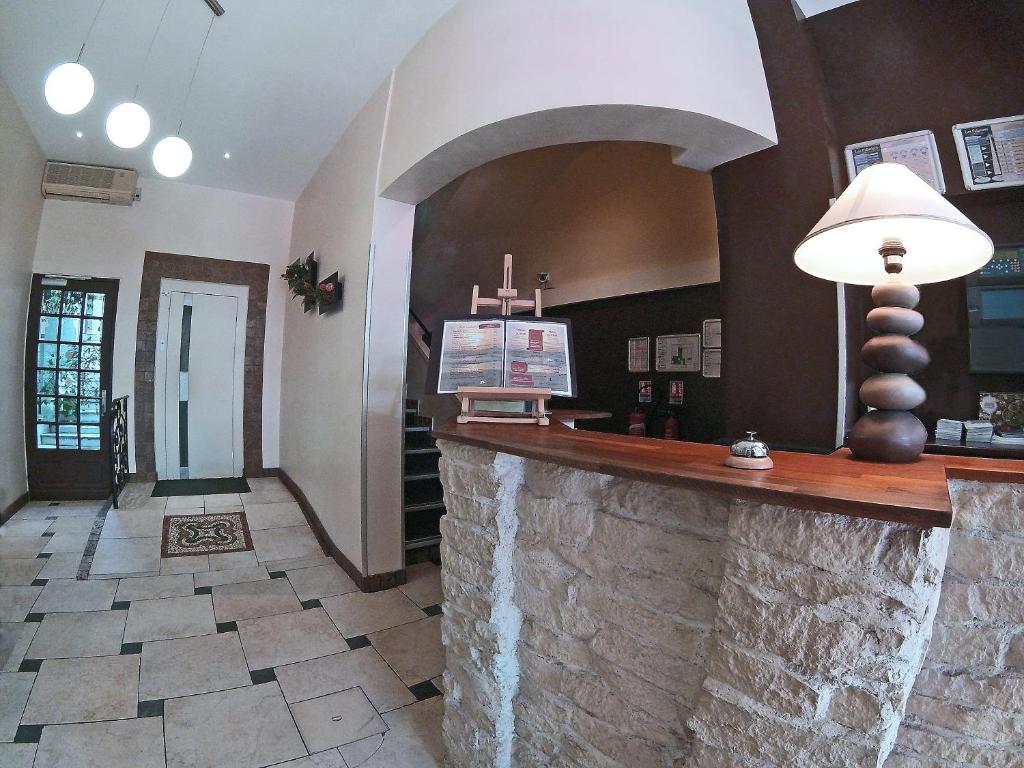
x=242, y=660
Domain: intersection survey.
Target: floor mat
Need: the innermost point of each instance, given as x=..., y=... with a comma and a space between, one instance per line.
x=200, y=487
x=212, y=533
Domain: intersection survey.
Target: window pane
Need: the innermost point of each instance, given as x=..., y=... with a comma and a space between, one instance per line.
x=46, y=356
x=94, y=304
x=67, y=410
x=46, y=382
x=72, y=303
x=46, y=435
x=46, y=409
x=69, y=437
x=67, y=383
x=48, y=328
x=90, y=358
x=51, y=301
x=70, y=329
x=89, y=442
x=90, y=383
x=92, y=331
x=69, y=355
x=90, y=412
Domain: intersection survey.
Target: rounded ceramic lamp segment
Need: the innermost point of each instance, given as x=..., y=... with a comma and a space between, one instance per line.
x=888, y=202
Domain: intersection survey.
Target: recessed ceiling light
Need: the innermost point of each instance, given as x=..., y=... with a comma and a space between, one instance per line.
x=227, y=155
x=79, y=134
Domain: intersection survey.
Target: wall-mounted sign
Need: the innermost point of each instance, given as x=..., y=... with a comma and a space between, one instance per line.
x=640, y=354
x=713, y=334
x=678, y=352
x=991, y=152
x=675, y=392
x=914, y=150
x=644, y=392
x=712, y=364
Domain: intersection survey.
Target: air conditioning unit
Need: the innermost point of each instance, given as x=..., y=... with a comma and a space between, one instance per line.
x=96, y=183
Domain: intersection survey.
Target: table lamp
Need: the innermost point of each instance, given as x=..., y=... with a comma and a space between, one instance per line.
x=890, y=229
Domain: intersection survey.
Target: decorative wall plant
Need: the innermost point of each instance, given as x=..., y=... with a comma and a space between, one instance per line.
x=331, y=293
x=301, y=279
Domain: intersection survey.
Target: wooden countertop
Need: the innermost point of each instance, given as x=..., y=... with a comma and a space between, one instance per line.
x=565, y=414
x=914, y=493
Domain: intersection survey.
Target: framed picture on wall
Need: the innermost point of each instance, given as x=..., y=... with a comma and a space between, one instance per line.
x=679, y=352
x=990, y=152
x=915, y=150
x=640, y=354
x=713, y=334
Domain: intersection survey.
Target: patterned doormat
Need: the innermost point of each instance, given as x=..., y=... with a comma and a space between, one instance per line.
x=205, y=534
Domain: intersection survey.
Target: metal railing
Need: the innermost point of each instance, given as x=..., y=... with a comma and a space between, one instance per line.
x=118, y=425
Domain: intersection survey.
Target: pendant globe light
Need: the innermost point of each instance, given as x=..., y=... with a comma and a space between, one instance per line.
x=128, y=123
x=69, y=87
x=172, y=155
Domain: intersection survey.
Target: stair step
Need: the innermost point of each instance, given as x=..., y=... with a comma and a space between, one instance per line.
x=425, y=542
x=421, y=451
x=423, y=476
x=423, y=506
x=417, y=429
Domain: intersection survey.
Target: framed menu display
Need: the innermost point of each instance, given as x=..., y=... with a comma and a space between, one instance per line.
x=504, y=352
x=991, y=152
x=678, y=352
x=914, y=150
x=640, y=354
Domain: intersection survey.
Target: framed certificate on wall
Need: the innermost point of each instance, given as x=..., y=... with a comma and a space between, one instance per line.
x=640, y=354
x=678, y=352
x=915, y=150
x=991, y=152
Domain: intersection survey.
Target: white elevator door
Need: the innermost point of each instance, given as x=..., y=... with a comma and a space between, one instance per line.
x=200, y=376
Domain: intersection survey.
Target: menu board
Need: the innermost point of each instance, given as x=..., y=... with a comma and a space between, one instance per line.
x=537, y=355
x=991, y=152
x=916, y=151
x=472, y=355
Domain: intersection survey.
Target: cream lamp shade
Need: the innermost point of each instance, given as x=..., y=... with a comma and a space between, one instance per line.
x=885, y=204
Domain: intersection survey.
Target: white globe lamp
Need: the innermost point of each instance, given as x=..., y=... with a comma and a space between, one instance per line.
x=172, y=156
x=68, y=88
x=127, y=125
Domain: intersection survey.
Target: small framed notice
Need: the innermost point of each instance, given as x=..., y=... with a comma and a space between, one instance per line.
x=678, y=353
x=991, y=152
x=914, y=150
x=644, y=392
x=712, y=364
x=675, y=392
x=713, y=334
x=640, y=354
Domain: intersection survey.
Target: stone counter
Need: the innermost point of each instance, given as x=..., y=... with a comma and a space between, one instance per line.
x=596, y=622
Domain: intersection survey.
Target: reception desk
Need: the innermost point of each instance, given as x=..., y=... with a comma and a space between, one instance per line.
x=618, y=601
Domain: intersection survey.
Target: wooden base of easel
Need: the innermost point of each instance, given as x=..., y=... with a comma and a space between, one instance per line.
x=535, y=396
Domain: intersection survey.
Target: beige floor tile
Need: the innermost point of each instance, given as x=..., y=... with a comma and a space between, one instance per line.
x=362, y=667
x=263, y=484
x=136, y=743
x=71, y=596
x=186, y=564
x=133, y=524
x=221, y=500
x=17, y=755
x=336, y=719
x=439, y=683
x=157, y=503
x=73, y=525
x=67, y=541
x=413, y=739
x=16, y=602
x=27, y=527
x=128, y=557
x=231, y=576
x=268, y=496
x=73, y=635
x=321, y=581
x=184, y=502
x=206, y=731
x=21, y=547
x=223, y=561
x=14, y=690
x=290, y=564
x=84, y=690
x=20, y=573
x=289, y=637
x=414, y=650
x=360, y=613
x=61, y=565
x=15, y=639
x=280, y=515
x=155, y=587
x=173, y=668
x=330, y=759
x=424, y=584
x=286, y=543
x=254, y=599
x=169, y=618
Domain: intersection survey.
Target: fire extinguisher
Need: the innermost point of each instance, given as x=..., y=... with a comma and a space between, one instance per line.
x=638, y=423
x=672, y=427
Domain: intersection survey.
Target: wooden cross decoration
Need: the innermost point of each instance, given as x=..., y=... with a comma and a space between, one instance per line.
x=508, y=300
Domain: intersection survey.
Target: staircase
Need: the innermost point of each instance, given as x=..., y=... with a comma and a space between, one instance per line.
x=422, y=494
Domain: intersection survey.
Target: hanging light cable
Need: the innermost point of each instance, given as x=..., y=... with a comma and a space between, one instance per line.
x=68, y=87
x=128, y=123
x=172, y=155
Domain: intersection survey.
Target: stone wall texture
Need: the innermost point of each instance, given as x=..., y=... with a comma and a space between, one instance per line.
x=596, y=622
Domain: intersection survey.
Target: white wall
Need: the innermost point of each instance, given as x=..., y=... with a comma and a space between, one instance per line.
x=21, y=204
x=111, y=241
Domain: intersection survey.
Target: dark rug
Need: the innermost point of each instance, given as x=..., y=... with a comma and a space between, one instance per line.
x=212, y=533
x=200, y=487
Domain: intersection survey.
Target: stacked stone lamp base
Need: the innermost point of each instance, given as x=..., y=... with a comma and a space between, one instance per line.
x=892, y=433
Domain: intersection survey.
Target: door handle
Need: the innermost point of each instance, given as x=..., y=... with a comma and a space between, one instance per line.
x=103, y=402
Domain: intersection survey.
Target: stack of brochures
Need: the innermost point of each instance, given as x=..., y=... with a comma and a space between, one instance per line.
x=1012, y=438
x=978, y=431
x=949, y=429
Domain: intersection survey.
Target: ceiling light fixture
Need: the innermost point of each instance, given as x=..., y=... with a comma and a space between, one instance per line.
x=172, y=155
x=227, y=155
x=79, y=134
x=69, y=87
x=128, y=123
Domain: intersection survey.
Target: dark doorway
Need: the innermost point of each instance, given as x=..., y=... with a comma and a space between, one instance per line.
x=68, y=362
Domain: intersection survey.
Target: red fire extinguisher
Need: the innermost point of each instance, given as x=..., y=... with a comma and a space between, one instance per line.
x=638, y=423
x=672, y=427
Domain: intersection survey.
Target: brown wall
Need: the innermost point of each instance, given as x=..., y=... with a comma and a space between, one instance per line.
x=930, y=68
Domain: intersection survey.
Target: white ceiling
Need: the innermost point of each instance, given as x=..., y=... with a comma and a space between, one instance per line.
x=814, y=7
x=279, y=82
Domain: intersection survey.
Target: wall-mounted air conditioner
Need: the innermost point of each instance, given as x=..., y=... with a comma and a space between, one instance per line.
x=95, y=183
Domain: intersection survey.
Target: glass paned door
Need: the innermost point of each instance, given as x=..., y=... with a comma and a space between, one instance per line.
x=69, y=357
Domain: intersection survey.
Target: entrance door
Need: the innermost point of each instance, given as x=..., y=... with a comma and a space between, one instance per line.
x=68, y=362
x=199, y=373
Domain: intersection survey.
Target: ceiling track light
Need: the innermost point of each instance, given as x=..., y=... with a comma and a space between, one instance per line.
x=69, y=87
x=217, y=8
